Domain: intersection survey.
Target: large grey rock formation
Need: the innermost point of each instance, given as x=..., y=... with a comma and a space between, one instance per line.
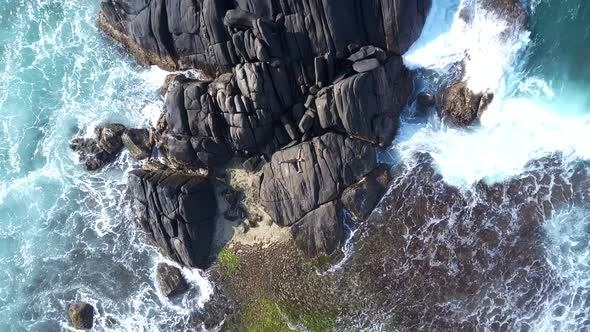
x=177, y=210
x=304, y=194
x=219, y=34
x=256, y=109
x=331, y=163
x=298, y=75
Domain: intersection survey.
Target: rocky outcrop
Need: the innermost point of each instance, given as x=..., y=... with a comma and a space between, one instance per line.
x=170, y=280
x=81, y=315
x=443, y=251
x=461, y=106
x=177, y=210
x=96, y=152
x=321, y=81
x=216, y=35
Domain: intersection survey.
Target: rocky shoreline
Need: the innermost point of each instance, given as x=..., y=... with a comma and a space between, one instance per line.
x=255, y=169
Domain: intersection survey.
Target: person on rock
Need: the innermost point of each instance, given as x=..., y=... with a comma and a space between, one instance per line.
x=296, y=162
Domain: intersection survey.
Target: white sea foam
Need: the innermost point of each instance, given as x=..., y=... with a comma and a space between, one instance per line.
x=526, y=120
x=486, y=43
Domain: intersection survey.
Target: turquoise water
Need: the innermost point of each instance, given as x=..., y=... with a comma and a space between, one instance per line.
x=63, y=232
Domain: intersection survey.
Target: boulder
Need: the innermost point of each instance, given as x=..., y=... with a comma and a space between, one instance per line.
x=138, y=142
x=289, y=189
x=170, y=280
x=101, y=150
x=81, y=315
x=367, y=105
x=109, y=137
x=424, y=101
x=320, y=231
x=368, y=52
x=361, y=198
x=461, y=106
x=366, y=65
x=177, y=210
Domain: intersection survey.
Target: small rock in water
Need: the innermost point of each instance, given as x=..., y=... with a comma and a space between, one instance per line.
x=109, y=137
x=170, y=280
x=97, y=152
x=461, y=106
x=81, y=315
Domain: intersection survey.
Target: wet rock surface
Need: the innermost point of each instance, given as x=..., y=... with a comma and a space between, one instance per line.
x=177, y=210
x=170, y=280
x=461, y=106
x=97, y=152
x=81, y=315
x=433, y=245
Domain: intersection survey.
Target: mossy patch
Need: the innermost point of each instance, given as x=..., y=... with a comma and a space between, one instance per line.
x=264, y=316
x=313, y=322
x=228, y=261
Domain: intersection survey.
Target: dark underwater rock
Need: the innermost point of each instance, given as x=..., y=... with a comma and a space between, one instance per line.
x=170, y=280
x=177, y=210
x=444, y=252
x=81, y=315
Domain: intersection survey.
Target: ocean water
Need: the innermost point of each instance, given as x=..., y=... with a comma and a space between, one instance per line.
x=64, y=233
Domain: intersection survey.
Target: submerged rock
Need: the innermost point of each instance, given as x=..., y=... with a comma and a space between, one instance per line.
x=81, y=315
x=177, y=210
x=170, y=280
x=461, y=106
